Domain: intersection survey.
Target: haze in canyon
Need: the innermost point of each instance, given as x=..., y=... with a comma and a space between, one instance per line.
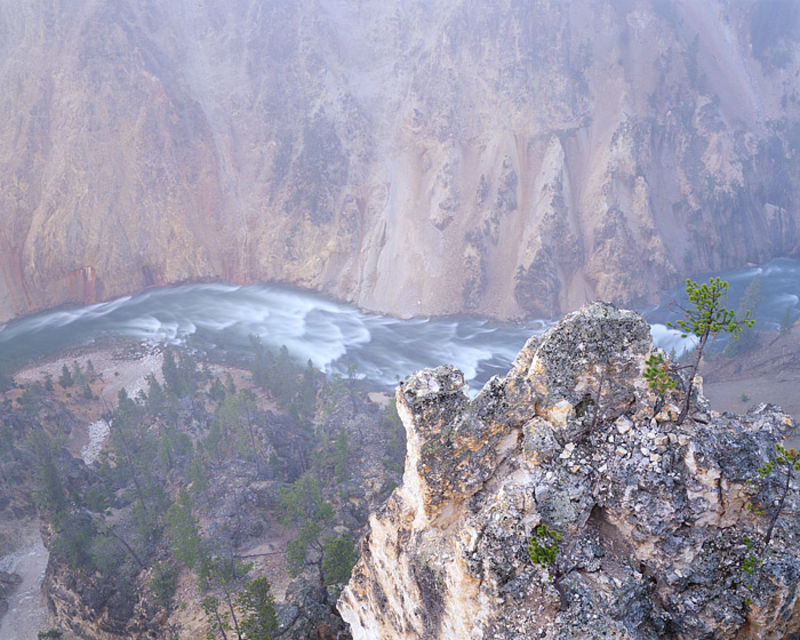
x=505, y=158
x=173, y=456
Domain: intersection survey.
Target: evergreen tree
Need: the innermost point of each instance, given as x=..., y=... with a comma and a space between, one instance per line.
x=172, y=376
x=217, y=391
x=786, y=321
x=230, y=385
x=184, y=536
x=65, y=379
x=51, y=494
x=135, y=447
x=156, y=398
x=162, y=584
x=749, y=303
x=259, y=621
x=704, y=318
x=262, y=362
x=338, y=558
x=282, y=378
x=78, y=377
x=218, y=622
x=303, y=499
x=297, y=550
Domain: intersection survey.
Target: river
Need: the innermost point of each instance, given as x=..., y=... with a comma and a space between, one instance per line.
x=332, y=335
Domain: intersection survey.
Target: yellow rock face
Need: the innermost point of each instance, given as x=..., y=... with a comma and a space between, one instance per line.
x=407, y=165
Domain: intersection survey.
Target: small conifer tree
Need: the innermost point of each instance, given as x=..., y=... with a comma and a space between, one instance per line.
x=65, y=379
x=657, y=374
x=749, y=303
x=786, y=321
x=704, y=318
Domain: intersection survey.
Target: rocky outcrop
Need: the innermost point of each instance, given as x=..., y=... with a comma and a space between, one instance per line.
x=654, y=517
x=504, y=158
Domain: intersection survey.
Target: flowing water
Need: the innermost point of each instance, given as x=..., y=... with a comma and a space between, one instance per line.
x=334, y=336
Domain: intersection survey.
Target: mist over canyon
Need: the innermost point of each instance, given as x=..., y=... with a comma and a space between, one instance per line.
x=504, y=158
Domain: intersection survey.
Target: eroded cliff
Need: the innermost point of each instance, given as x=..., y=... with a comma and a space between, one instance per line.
x=655, y=517
x=505, y=158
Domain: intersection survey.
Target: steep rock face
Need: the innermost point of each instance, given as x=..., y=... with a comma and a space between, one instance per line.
x=653, y=516
x=505, y=158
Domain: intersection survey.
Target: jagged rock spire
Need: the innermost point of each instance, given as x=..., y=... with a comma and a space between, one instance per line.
x=651, y=515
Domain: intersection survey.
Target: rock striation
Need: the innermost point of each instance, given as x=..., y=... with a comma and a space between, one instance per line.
x=654, y=517
x=498, y=157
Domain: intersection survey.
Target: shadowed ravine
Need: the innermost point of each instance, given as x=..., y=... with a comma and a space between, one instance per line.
x=27, y=612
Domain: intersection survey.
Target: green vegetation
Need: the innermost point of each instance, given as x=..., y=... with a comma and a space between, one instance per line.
x=748, y=307
x=786, y=461
x=786, y=321
x=162, y=584
x=303, y=500
x=752, y=561
x=78, y=376
x=180, y=373
x=543, y=546
x=252, y=618
x=297, y=551
x=224, y=574
x=657, y=374
x=303, y=506
x=704, y=318
x=182, y=531
x=338, y=558
x=258, y=606
x=780, y=471
x=149, y=511
x=65, y=379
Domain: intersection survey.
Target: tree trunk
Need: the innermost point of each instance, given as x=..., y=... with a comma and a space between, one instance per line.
x=233, y=613
x=768, y=537
x=690, y=385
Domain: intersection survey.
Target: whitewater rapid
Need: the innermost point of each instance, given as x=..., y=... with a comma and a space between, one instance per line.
x=333, y=336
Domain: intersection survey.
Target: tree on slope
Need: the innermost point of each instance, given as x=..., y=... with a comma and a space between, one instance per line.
x=705, y=317
x=748, y=304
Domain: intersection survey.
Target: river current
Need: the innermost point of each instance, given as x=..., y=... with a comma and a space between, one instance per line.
x=335, y=336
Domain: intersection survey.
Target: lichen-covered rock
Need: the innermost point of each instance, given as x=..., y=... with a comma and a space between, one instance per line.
x=653, y=517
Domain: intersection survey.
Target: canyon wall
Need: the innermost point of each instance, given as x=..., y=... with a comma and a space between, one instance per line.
x=504, y=158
